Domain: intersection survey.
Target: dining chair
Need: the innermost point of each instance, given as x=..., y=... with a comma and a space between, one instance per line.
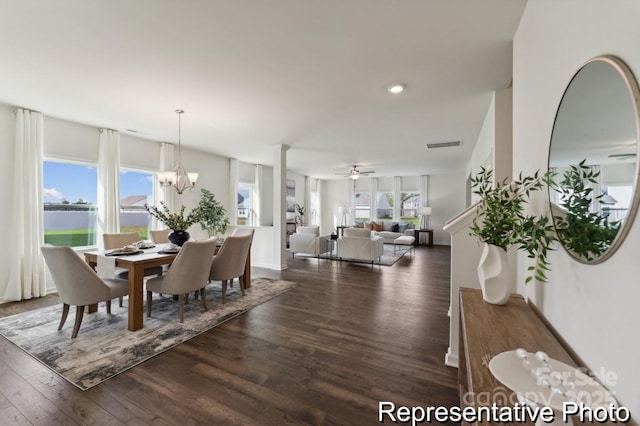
x=230, y=261
x=243, y=231
x=160, y=236
x=188, y=273
x=78, y=284
x=121, y=239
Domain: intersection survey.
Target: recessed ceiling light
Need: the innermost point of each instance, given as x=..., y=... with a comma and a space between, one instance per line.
x=396, y=88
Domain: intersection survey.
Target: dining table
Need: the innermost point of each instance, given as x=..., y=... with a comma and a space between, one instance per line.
x=136, y=264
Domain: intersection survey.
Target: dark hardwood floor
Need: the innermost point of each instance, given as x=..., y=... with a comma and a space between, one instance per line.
x=326, y=352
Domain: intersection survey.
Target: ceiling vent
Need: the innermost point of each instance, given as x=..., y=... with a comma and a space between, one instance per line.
x=443, y=144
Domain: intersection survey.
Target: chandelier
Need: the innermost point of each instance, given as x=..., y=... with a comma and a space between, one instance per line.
x=178, y=178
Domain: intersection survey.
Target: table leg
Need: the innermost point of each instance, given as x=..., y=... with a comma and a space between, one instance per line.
x=136, y=297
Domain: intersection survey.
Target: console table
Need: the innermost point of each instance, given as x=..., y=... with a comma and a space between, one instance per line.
x=487, y=330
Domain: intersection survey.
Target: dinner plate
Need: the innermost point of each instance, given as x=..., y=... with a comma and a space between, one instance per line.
x=123, y=253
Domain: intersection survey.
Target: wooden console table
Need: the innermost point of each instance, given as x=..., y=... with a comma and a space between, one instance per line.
x=429, y=232
x=487, y=330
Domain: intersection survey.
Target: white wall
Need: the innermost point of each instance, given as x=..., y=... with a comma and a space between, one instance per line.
x=446, y=198
x=482, y=154
x=594, y=307
x=7, y=135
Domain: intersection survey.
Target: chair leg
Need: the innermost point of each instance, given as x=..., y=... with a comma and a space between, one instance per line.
x=149, y=297
x=186, y=298
x=241, y=283
x=108, y=303
x=76, y=325
x=181, y=303
x=120, y=301
x=231, y=283
x=224, y=288
x=65, y=312
x=204, y=299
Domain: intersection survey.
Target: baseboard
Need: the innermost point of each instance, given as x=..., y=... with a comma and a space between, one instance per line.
x=450, y=359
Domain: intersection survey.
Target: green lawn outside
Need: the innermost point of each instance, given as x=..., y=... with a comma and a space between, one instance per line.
x=84, y=237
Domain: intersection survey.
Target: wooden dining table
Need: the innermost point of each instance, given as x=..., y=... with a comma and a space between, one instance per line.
x=136, y=264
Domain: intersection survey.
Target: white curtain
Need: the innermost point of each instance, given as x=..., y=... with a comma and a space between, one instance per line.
x=233, y=191
x=108, y=184
x=165, y=194
x=26, y=265
x=257, y=195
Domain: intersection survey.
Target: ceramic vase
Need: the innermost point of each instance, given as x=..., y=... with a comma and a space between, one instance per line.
x=494, y=275
x=179, y=237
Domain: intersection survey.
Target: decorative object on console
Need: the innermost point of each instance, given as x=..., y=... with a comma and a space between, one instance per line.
x=343, y=211
x=178, y=178
x=424, y=212
x=213, y=215
x=501, y=222
x=539, y=380
x=177, y=222
x=300, y=210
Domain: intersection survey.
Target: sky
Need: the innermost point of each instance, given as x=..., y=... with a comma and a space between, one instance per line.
x=77, y=181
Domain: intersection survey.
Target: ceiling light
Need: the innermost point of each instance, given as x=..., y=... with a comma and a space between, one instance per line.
x=178, y=178
x=396, y=88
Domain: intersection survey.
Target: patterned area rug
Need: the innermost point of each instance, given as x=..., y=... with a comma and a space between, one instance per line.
x=388, y=258
x=104, y=347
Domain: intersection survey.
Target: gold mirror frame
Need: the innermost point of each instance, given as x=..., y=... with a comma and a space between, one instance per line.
x=633, y=91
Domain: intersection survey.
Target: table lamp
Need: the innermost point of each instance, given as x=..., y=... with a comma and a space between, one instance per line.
x=424, y=212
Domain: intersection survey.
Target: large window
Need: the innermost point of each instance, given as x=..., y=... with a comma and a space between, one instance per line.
x=384, y=205
x=70, y=195
x=362, y=205
x=245, y=204
x=136, y=189
x=409, y=207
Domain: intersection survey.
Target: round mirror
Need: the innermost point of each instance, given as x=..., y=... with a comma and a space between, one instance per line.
x=594, y=156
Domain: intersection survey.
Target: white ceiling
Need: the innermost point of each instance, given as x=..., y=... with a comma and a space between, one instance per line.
x=251, y=74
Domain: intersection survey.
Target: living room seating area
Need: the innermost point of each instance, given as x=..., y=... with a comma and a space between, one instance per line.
x=360, y=244
x=388, y=230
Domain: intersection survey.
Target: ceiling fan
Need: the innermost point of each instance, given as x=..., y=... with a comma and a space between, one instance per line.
x=354, y=173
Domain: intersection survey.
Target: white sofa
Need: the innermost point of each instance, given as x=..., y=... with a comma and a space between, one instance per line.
x=307, y=239
x=359, y=244
x=389, y=236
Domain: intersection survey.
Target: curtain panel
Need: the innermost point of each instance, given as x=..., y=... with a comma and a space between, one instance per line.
x=26, y=275
x=108, y=184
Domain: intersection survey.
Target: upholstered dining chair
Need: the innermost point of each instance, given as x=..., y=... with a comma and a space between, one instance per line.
x=230, y=261
x=188, y=273
x=121, y=239
x=160, y=236
x=78, y=284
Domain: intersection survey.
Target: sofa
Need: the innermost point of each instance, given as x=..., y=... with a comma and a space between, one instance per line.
x=388, y=230
x=359, y=244
x=307, y=239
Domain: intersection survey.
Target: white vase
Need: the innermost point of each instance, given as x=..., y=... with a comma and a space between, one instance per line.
x=494, y=275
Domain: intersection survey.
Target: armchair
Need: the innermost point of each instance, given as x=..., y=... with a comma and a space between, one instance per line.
x=307, y=239
x=359, y=244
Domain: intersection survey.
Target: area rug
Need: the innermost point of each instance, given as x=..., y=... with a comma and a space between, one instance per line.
x=104, y=347
x=389, y=256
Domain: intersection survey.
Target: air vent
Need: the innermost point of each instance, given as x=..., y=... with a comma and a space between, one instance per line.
x=443, y=144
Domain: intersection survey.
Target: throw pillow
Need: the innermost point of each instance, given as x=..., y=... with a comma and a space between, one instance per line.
x=376, y=226
x=394, y=227
x=403, y=226
x=368, y=225
x=359, y=224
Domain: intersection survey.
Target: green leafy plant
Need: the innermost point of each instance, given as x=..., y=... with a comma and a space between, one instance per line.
x=583, y=230
x=502, y=221
x=213, y=215
x=174, y=221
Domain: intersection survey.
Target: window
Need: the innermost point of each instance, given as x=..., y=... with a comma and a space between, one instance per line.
x=70, y=211
x=384, y=206
x=362, y=205
x=245, y=204
x=136, y=189
x=618, y=204
x=409, y=209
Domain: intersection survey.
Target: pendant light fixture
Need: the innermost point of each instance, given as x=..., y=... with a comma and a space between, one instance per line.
x=178, y=178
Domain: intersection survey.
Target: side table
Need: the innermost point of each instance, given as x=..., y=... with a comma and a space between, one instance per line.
x=429, y=232
x=341, y=229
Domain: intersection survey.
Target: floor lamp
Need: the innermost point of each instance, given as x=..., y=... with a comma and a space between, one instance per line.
x=424, y=212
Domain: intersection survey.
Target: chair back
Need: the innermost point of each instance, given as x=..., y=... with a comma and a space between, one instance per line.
x=190, y=269
x=76, y=282
x=160, y=236
x=243, y=231
x=232, y=257
x=114, y=241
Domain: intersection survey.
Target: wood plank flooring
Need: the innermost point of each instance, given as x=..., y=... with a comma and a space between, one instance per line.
x=324, y=353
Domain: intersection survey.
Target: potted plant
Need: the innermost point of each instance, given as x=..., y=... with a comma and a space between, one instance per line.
x=177, y=222
x=213, y=215
x=501, y=222
x=300, y=210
